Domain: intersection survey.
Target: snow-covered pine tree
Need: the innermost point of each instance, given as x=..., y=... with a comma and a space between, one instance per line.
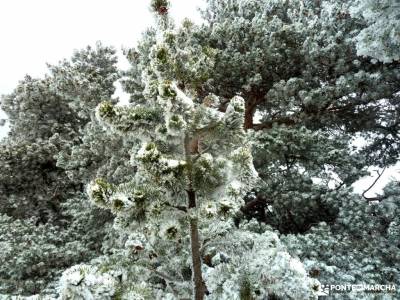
x=318, y=74
x=296, y=64
x=46, y=226
x=194, y=167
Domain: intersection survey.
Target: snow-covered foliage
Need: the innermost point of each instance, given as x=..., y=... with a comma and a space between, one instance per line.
x=183, y=192
x=249, y=261
x=34, y=255
x=360, y=248
x=254, y=264
x=46, y=224
x=381, y=38
x=194, y=168
x=84, y=282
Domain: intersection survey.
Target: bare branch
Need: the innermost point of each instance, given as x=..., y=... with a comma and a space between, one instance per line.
x=372, y=185
x=169, y=280
x=259, y=200
x=178, y=207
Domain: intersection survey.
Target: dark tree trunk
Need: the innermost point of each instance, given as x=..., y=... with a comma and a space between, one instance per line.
x=252, y=101
x=198, y=284
x=248, y=117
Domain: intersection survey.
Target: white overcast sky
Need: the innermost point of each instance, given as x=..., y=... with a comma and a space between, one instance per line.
x=34, y=32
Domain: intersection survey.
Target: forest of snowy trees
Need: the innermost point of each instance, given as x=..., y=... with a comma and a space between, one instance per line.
x=228, y=175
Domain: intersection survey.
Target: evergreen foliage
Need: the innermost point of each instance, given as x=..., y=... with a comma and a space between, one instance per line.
x=46, y=224
x=228, y=176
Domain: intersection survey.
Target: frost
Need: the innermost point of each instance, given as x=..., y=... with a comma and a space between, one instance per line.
x=84, y=282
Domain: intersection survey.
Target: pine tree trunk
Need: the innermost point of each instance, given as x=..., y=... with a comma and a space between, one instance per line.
x=248, y=119
x=197, y=278
x=251, y=105
x=198, y=284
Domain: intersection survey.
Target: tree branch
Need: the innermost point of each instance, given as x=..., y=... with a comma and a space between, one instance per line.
x=249, y=206
x=178, y=207
x=372, y=185
x=269, y=124
x=169, y=280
